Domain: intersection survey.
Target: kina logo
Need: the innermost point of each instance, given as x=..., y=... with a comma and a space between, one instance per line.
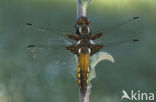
x=138, y=95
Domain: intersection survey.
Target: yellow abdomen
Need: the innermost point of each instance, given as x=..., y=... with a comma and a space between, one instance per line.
x=83, y=71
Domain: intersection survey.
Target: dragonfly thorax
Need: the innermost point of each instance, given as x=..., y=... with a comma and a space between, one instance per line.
x=84, y=42
x=83, y=21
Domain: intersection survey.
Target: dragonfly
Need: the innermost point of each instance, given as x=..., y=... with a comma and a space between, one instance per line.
x=85, y=47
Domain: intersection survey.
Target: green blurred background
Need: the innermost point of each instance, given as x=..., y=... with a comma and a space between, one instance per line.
x=47, y=75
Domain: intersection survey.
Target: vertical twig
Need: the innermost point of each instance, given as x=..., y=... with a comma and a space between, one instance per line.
x=82, y=11
x=84, y=98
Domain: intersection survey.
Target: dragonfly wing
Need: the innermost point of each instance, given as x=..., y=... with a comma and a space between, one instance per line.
x=54, y=53
x=119, y=43
x=117, y=26
x=125, y=33
x=50, y=34
x=35, y=27
x=54, y=59
x=129, y=29
x=48, y=47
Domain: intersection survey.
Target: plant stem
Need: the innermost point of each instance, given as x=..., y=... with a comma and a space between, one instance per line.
x=81, y=10
x=84, y=98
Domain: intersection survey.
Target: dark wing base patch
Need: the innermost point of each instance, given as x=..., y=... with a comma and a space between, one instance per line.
x=95, y=48
x=74, y=37
x=73, y=49
x=93, y=37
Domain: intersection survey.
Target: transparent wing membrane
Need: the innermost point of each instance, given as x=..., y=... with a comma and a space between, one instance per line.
x=49, y=45
x=118, y=43
x=126, y=32
x=39, y=28
x=53, y=53
x=117, y=26
x=53, y=58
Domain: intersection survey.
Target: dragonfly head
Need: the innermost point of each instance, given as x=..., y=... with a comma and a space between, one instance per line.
x=83, y=21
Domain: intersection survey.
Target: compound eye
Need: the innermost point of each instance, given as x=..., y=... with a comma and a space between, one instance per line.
x=88, y=21
x=79, y=22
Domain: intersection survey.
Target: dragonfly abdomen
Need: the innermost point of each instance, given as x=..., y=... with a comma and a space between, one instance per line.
x=83, y=72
